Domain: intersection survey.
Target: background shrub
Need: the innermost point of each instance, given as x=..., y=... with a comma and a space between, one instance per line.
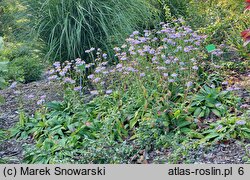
x=26, y=69
x=221, y=20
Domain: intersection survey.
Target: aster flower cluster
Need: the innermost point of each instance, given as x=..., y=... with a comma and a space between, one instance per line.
x=171, y=54
x=69, y=72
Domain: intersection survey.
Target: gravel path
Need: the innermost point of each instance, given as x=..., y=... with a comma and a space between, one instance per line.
x=22, y=97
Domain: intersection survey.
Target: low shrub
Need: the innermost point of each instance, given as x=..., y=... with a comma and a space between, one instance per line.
x=25, y=69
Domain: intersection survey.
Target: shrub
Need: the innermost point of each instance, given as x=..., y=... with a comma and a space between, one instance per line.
x=70, y=27
x=25, y=68
x=175, y=7
x=221, y=20
x=3, y=72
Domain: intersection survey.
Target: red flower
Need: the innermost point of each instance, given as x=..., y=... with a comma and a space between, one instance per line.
x=247, y=5
x=246, y=36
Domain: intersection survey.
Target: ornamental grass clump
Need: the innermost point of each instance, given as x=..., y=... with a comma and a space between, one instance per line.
x=70, y=27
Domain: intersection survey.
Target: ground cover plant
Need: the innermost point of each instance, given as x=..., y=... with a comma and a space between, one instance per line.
x=148, y=93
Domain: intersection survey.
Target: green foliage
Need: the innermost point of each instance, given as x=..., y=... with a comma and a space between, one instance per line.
x=241, y=67
x=1, y=43
x=19, y=62
x=14, y=23
x=211, y=101
x=228, y=128
x=3, y=72
x=100, y=151
x=221, y=20
x=25, y=69
x=157, y=93
x=61, y=138
x=175, y=7
x=70, y=27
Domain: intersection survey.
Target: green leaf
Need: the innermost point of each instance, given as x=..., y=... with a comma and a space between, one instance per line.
x=2, y=100
x=183, y=124
x=246, y=130
x=177, y=113
x=211, y=136
x=207, y=113
x=134, y=120
x=185, y=130
x=54, y=105
x=1, y=43
x=197, y=112
x=216, y=112
x=2, y=83
x=194, y=134
x=202, y=114
x=4, y=66
x=209, y=104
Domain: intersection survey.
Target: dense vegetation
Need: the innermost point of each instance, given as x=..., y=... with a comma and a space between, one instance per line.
x=136, y=75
